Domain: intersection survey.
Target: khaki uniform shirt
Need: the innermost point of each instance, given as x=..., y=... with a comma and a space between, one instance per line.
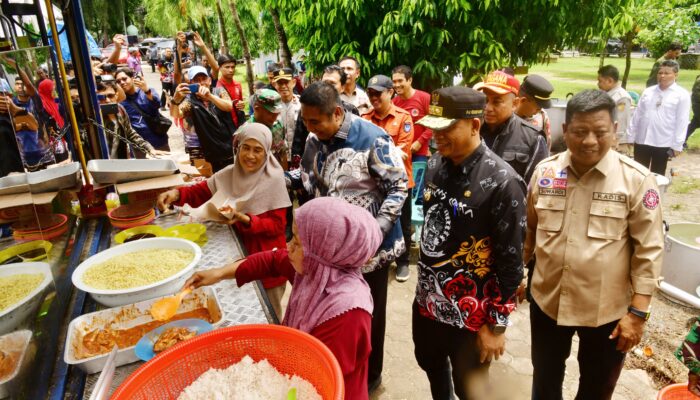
x=597, y=238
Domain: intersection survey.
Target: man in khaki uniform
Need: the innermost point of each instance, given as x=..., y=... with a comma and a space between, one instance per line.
x=594, y=225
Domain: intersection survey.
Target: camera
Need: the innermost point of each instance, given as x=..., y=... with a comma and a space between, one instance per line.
x=109, y=109
x=105, y=79
x=189, y=35
x=109, y=68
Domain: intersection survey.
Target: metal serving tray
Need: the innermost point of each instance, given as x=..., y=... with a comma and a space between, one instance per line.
x=14, y=184
x=126, y=317
x=55, y=179
x=120, y=171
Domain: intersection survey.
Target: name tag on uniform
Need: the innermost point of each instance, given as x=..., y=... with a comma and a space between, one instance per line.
x=553, y=192
x=620, y=198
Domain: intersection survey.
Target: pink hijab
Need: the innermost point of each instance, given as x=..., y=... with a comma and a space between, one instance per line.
x=46, y=93
x=337, y=238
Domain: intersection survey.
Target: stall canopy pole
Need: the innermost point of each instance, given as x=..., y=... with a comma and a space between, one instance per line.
x=66, y=90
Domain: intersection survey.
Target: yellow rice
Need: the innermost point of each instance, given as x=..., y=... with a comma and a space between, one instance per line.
x=14, y=288
x=138, y=268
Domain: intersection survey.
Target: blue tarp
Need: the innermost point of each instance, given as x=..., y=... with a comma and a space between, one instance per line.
x=63, y=39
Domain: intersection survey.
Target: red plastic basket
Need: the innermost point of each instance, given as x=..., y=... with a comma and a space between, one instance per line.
x=290, y=351
x=677, y=391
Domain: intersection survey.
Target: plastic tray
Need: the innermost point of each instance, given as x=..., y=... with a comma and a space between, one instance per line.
x=18, y=341
x=120, y=171
x=130, y=316
x=55, y=179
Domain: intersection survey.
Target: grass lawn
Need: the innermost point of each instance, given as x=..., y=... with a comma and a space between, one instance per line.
x=573, y=74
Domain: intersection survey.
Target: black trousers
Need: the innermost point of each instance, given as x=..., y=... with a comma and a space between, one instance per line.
x=599, y=362
x=406, y=230
x=439, y=346
x=378, y=282
x=694, y=123
x=654, y=158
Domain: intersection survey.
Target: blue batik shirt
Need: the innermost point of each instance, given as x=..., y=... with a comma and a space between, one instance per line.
x=361, y=165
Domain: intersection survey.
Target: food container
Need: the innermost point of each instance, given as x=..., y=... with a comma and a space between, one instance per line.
x=55, y=179
x=165, y=287
x=18, y=313
x=128, y=235
x=18, y=343
x=126, y=317
x=119, y=171
x=20, y=251
x=14, y=184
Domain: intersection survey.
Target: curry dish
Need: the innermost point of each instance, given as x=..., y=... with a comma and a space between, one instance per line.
x=171, y=337
x=101, y=341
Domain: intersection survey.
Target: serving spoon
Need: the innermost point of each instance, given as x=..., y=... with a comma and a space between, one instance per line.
x=164, y=309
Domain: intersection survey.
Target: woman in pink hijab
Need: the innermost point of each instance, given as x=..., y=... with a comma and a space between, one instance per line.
x=45, y=90
x=330, y=300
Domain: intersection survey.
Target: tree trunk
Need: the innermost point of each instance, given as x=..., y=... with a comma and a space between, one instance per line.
x=244, y=44
x=602, y=59
x=628, y=57
x=207, y=34
x=223, y=46
x=285, y=53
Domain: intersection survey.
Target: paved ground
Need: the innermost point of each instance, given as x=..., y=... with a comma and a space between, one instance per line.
x=403, y=379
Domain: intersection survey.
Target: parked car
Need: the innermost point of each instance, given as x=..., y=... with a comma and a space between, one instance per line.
x=168, y=43
x=123, y=54
x=694, y=48
x=146, y=44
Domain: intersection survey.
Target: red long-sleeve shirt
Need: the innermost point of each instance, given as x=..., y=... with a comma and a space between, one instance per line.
x=347, y=335
x=265, y=232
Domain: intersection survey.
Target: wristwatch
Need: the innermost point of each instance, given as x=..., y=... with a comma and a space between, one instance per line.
x=498, y=329
x=641, y=314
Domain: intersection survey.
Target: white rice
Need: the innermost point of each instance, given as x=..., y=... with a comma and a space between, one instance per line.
x=247, y=380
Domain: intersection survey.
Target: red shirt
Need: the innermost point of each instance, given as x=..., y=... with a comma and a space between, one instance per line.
x=417, y=106
x=236, y=92
x=265, y=232
x=347, y=335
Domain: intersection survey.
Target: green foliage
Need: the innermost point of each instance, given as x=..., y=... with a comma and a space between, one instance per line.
x=167, y=17
x=665, y=21
x=440, y=38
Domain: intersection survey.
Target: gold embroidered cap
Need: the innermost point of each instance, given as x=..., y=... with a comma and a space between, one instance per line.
x=451, y=104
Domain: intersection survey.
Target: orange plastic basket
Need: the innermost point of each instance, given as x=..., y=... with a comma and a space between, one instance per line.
x=291, y=351
x=677, y=391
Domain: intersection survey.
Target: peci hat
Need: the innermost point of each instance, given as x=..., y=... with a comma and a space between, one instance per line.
x=282, y=73
x=269, y=99
x=380, y=83
x=196, y=70
x=447, y=105
x=539, y=89
x=500, y=83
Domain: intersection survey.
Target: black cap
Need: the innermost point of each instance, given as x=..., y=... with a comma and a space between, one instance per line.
x=380, y=83
x=539, y=89
x=449, y=104
x=282, y=73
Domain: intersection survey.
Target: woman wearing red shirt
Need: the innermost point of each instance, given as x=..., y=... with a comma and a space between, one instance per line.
x=255, y=183
x=330, y=299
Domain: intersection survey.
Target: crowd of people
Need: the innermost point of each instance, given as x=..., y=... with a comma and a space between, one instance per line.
x=578, y=233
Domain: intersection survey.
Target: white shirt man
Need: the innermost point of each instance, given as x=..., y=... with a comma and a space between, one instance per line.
x=351, y=93
x=660, y=122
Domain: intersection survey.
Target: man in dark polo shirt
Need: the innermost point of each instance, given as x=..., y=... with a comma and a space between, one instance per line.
x=514, y=140
x=470, y=252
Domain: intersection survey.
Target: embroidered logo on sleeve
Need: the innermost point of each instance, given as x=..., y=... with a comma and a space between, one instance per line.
x=651, y=199
x=545, y=182
x=407, y=127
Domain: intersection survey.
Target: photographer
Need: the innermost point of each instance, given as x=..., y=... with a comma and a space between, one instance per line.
x=209, y=114
x=119, y=133
x=142, y=105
